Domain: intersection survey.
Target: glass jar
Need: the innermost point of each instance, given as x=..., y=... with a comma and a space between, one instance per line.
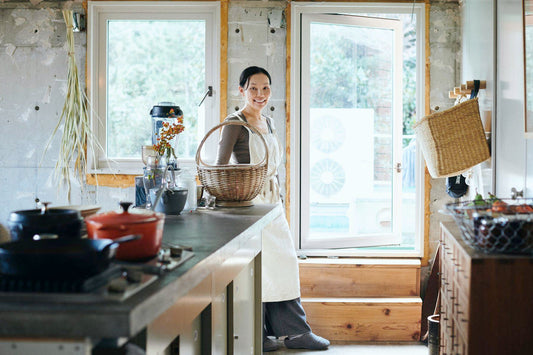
x=188, y=181
x=153, y=176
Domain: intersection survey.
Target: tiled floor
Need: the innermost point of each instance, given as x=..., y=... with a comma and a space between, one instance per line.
x=362, y=349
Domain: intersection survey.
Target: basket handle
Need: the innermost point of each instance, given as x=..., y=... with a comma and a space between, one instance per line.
x=228, y=123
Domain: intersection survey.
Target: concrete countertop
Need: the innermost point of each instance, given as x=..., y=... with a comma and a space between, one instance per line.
x=215, y=236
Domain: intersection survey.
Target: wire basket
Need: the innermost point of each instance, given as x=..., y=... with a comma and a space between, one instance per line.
x=232, y=185
x=502, y=227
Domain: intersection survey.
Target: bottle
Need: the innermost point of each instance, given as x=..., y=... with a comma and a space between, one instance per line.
x=188, y=179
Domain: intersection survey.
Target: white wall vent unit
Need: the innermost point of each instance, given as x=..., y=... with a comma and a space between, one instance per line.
x=341, y=154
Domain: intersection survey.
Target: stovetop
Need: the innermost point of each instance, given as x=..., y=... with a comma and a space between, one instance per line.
x=117, y=283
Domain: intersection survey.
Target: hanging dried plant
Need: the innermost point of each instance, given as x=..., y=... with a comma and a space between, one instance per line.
x=75, y=119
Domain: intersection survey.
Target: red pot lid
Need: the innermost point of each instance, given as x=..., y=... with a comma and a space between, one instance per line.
x=125, y=217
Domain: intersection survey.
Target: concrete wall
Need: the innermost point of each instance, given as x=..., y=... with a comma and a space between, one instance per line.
x=445, y=74
x=251, y=41
x=33, y=71
x=32, y=89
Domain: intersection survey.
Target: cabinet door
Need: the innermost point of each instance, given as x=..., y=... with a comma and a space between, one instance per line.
x=511, y=155
x=190, y=340
x=219, y=318
x=244, y=311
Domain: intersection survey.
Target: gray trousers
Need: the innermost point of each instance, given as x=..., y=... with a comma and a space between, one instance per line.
x=284, y=318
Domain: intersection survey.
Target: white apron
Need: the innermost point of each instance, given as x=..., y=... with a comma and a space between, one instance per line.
x=280, y=279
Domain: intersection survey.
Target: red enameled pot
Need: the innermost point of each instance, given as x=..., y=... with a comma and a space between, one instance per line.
x=112, y=225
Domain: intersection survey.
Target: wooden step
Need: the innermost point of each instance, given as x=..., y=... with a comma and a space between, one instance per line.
x=359, y=277
x=365, y=319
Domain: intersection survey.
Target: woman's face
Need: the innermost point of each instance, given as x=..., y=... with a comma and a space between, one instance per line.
x=257, y=93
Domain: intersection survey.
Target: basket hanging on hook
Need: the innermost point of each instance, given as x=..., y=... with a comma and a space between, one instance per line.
x=453, y=140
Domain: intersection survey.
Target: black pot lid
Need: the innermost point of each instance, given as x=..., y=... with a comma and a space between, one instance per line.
x=37, y=215
x=166, y=109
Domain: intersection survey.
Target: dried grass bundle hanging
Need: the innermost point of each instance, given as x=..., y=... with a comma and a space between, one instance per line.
x=75, y=116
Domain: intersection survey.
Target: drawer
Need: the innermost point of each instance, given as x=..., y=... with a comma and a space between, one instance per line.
x=464, y=265
x=461, y=313
x=460, y=345
x=449, y=341
x=446, y=284
x=447, y=249
x=446, y=317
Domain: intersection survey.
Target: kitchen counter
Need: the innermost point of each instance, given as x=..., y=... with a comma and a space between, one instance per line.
x=221, y=240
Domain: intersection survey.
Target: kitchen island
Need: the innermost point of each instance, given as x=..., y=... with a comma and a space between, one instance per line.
x=212, y=300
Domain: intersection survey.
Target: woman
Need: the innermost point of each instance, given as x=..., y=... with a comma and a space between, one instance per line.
x=283, y=312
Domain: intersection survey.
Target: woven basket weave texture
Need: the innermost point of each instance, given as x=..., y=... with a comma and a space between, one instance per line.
x=232, y=183
x=453, y=140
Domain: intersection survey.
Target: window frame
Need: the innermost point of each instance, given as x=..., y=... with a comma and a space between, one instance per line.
x=98, y=14
x=296, y=142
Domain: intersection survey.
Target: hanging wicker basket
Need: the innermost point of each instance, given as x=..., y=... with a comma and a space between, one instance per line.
x=453, y=140
x=232, y=185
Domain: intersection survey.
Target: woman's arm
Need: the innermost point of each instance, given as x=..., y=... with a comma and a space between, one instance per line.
x=228, y=139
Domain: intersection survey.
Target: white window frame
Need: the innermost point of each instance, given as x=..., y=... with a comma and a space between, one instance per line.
x=98, y=14
x=297, y=9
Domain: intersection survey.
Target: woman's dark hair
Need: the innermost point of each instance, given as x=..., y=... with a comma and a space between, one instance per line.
x=248, y=72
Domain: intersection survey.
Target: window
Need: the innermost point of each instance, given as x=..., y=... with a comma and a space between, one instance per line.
x=358, y=71
x=141, y=54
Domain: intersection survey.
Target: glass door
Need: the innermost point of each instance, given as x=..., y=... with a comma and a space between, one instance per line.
x=351, y=127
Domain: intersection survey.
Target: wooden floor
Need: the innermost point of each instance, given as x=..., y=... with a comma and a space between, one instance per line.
x=362, y=349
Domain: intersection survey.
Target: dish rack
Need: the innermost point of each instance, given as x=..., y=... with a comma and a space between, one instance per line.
x=502, y=228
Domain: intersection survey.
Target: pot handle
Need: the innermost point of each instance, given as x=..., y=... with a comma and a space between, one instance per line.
x=125, y=206
x=44, y=207
x=124, y=239
x=43, y=236
x=127, y=238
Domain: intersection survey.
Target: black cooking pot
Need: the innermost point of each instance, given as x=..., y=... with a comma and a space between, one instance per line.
x=25, y=224
x=59, y=258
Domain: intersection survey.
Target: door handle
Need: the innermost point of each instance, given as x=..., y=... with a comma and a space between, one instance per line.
x=398, y=167
x=516, y=193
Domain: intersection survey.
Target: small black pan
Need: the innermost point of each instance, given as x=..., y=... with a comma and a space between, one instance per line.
x=59, y=258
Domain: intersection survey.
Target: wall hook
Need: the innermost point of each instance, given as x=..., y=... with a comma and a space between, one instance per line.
x=78, y=22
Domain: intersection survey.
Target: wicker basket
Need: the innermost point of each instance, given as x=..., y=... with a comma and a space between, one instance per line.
x=453, y=140
x=232, y=185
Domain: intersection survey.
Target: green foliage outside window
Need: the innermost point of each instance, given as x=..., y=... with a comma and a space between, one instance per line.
x=353, y=83
x=151, y=62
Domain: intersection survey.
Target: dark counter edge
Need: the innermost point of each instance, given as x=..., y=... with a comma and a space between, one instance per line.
x=124, y=319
